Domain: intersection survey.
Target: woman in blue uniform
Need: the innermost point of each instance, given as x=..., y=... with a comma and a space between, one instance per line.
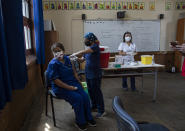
x=93, y=72
x=66, y=85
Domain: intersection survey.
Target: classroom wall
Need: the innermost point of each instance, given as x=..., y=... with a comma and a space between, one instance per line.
x=70, y=25
x=12, y=117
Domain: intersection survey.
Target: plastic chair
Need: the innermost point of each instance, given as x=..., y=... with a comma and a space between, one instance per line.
x=51, y=94
x=126, y=123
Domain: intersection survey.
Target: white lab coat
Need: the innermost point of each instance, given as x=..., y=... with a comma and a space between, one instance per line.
x=128, y=49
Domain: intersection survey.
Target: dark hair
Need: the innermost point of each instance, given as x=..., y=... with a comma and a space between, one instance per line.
x=125, y=34
x=59, y=45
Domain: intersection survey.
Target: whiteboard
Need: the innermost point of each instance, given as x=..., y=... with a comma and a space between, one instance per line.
x=145, y=34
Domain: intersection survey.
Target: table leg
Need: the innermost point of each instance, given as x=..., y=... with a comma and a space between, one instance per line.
x=156, y=85
x=142, y=84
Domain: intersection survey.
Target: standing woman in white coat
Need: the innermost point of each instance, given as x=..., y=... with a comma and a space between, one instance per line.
x=127, y=49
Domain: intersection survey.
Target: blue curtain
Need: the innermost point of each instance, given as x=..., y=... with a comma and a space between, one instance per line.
x=39, y=31
x=13, y=72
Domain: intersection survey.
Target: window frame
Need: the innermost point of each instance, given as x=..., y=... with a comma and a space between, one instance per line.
x=29, y=22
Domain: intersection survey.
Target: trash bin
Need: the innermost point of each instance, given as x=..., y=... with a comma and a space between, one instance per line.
x=104, y=56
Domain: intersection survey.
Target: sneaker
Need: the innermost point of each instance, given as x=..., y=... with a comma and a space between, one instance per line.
x=81, y=127
x=100, y=115
x=92, y=123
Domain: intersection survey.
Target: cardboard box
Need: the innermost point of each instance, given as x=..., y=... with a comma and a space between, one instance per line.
x=49, y=25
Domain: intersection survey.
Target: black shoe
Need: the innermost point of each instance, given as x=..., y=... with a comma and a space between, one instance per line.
x=81, y=127
x=92, y=123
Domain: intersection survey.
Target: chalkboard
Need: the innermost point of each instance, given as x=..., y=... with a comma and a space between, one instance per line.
x=145, y=34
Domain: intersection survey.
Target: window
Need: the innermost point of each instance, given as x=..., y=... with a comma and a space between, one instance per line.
x=28, y=25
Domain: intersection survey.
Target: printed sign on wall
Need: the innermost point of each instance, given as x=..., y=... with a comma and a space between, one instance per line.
x=46, y=5
x=113, y=5
x=90, y=5
x=101, y=5
x=71, y=5
x=124, y=5
x=77, y=5
x=65, y=5
x=107, y=5
x=95, y=5
x=152, y=5
x=168, y=5
x=52, y=5
x=119, y=5
x=129, y=5
x=141, y=5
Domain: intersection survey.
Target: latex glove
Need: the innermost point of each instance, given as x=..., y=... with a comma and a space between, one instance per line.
x=73, y=57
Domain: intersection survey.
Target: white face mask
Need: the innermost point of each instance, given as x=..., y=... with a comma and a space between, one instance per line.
x=127, y=39
x=59, y=54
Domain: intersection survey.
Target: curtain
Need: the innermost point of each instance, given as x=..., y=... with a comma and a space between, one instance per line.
x=39, y=31
x=13, y=72
x=183, y=68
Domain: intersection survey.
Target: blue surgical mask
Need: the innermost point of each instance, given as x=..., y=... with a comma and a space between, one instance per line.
x=127, y=39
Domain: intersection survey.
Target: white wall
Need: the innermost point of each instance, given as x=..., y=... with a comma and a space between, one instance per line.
x=70, y=25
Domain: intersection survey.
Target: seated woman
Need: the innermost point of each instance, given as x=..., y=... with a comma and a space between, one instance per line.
x=66, y=85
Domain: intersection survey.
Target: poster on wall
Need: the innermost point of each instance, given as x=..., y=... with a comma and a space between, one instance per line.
x=168, y=5
x=151, y=5
x=90, y=5
x=107, y=5
x=178, y=5
x=52, y=5
x=59, y=5
x=65, y=5
x=119, y=5
x=124, y=5
x=101, y=6
x=46, y=5
x=77, y=5
x=96, y=5
x=130, y=5
x=113, y=5
x=183, y=5
x=136, y=5
x=141, y=5
x=84, y=5
x=71, y=5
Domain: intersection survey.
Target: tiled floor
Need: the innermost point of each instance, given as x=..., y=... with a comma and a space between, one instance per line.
x=169, y=109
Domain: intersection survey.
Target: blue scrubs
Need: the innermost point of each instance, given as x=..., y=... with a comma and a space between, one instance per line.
x=93, y=77
x=78, y=98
